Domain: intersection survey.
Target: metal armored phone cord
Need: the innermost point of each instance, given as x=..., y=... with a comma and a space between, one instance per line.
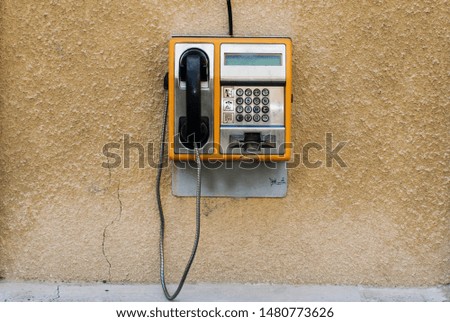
x=161, y=214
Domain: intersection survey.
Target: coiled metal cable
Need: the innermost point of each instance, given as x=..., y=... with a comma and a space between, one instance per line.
x=161, y=214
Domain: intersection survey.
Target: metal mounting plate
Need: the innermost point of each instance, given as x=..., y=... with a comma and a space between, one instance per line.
x=236, y=179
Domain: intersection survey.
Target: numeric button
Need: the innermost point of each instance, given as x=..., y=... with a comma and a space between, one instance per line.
x=265, y=109
x=239, y=92
x=248, y=109
x=248, y=92
x=256, y=109
x=256, y=92
x=265, y=118
x=248, y=100
x=265, y=101
x=248, y=117
x=256, y=117
x=239, y=117
x=239, y=101
x=256, y=101
x=265, y=92
x=239, y=109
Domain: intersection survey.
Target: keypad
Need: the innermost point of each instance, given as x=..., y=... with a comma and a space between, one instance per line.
x=252, y=105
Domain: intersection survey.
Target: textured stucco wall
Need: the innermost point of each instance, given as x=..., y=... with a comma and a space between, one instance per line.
x=75, y=75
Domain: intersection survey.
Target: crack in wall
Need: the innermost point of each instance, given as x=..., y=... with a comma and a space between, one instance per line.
x=58, y=296
x=117, y=218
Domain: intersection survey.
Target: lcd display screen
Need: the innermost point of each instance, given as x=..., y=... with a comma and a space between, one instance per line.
x=253, y=59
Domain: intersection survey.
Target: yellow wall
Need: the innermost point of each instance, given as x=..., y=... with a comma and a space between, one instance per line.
x=75, y=75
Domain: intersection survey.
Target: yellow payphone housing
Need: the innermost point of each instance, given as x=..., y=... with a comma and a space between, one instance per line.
x=230, y=97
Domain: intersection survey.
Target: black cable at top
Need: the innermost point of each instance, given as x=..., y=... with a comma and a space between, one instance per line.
x=230, y=18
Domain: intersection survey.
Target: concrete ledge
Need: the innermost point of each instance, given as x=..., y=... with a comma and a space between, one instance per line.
x=99, y=292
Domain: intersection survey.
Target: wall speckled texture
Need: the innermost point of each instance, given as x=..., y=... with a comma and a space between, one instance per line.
x=75, y=75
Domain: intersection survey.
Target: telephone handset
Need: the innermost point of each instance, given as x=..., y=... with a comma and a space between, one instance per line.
x=230, y=97
x=193, y=129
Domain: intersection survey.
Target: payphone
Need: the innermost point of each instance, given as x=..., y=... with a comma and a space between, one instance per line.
x=228, y=99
